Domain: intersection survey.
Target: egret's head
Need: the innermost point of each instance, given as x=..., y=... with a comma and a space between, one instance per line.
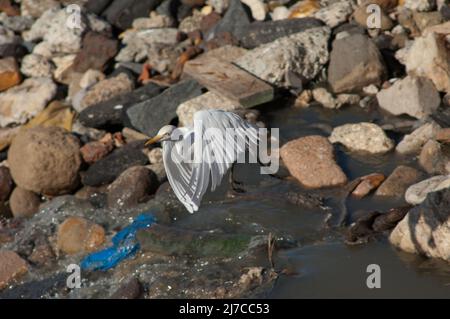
x=164, y=134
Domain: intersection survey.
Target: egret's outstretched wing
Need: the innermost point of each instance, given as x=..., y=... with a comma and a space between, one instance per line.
x=218, y=139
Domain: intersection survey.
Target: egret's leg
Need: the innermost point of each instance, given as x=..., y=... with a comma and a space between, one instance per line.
x=235, y=185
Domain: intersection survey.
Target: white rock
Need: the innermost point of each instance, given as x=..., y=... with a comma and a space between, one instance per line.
x=429, y=57
x=207, y=101
x=362, y=137
x=420, y=5
x=34, y=65
x=63, y=65
x=349, y=99
x=21, y=103
x=335, y=13
x=258, y=8
x=219, y=5
x=91, y=77
x=413, y=142
x=280, y=13
x=415, y=96
x=325, y=98
x=417, y=193
x=301, y=54
x=370, y=90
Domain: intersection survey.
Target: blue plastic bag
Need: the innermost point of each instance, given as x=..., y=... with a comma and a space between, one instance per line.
x=124, y=245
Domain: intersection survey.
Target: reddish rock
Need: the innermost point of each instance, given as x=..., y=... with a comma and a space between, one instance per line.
x=24, y=204
x=6, y=183
x=398, y=182
x=368, y=183
x=311, y=160
x=11, y=267
x=9, y=73
x=443, y=135
x=94, y=151
x=96, y=51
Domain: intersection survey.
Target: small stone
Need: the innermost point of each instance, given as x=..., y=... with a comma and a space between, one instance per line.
x=45, y=160
x=420, y=5
x=415, y=96
x=235, y=21
x=155, y=155
x=6, y=183
x=132, y=187
x=335, y=13
x=362, y=137
x=25, y=101
x=34, y=65
x=370, y=90
x=433, y=158
x=417, y=193
x=443, y=135
x=363, y=14
x=42, y=255
x=325, y=98
x=311, y=160
x=122, y=13
x=368, y=183
x=424, y=20
x=280, y=13
x=35, y=8
x=107, y=89
x=12, y=267
x=413, y=142
x=355, y=63
x=23, y=203
x=96, y=150
x=96, y=51
x=398, y=182
x=9, y=73
x=79, y=235
x=258, y=9
x=129, y=290
x=304, y=99
x=347, y=99
x=64, y=68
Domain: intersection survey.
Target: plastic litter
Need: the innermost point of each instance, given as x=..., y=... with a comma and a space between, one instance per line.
x=124, y=245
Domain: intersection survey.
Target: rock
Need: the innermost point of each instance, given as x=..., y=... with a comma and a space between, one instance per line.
x=96, y=150
x=311, y=160
x=282, y=63
x=367, y=184
x=355, y=63
x=235, y=21
x=258, y=9
x=219, y=5
x=280, y=13
x=35, y=8
x=362, y=137
x=121, y=13
x=304, y=99
x=413, y=142
x=63, y=72
x=398, y=182
x=417, y=193
x=132, y=187
x=362, y=16
x=433, y=158
x=34, y=65
x=23, y=203
x=25, y=101
x=155, y=155
x=259, y=33
x=96, y=51
x=107, y=89
x=325, y=98
x=45, y=160
x=206, y=101
x=443, y=135
x=113, y=111
x=42, y=255
x=6, y=183
x=129, y=290
x=9, y=73
x=420, y=5
x=424, y=20
x=155, y=21
x=110, y=167
x=159, y=170
x=428, y=57
x=78, y=235
x=415, y=96
x=335, y=14
x=191, y=22
x=425, y=230
x=12, y=267
x=347, y=99
x=149, y=116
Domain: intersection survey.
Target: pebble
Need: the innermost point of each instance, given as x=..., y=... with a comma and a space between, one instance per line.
x=12, y=267
x=23, y=203
x=311, y=161
x=355, y=63
x=335, y=14
x=433, y=158
x=132, y=187
x=9, y=73
x=425, y=230
x=131, y=289
x=398, y=182
x=258, y=9
x=96, y=150
x=35, y=8
x=443, y=135
x=155, y=155
x=417, y=193
x=280, y=13
x=414, y=96
x=45, y=160
x=368, y=183
x=420, y=5
x=79, y=235
x=235, y=21
x=35, y=65
x=362, y=137
x=26, y=100
x=414, y=142
x=121, y=13
x=362, y=16
x=325, y=98
x=6, y=183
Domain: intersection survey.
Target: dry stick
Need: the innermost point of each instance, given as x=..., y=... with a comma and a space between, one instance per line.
x=270, y=249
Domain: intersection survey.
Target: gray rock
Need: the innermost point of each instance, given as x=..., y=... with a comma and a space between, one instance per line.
x=415, y=96
x=355, y=63
x=335, y=13
x=121, y=13
x=235, y=21
x=413, y=142
x=417, y=193
x=149, y=116
x=291, y=60
x=420, y=5
x=35, y=65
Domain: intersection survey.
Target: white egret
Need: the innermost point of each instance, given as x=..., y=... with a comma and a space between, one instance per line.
x=210, y=139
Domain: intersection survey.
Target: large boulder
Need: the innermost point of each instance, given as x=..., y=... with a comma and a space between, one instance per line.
x=45, y=160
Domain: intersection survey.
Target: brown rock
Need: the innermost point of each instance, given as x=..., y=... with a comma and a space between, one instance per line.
x=311, y=160
x=384, y=4
x=133, y=186
x=130, y=290
x=42, y=255
x=7, y=7
x=433, y=158
x=45, y=160
x=11, y=267
x=368, y=183
x=79, y=235
x=396, y=184
x=6, y=183
x=96, y=150
x=9, y=73
x=24, y=204
x=361, y=16
x=443, y=135
x=96, y=51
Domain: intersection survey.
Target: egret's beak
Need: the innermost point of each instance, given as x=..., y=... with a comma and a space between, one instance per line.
x=153, y=140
